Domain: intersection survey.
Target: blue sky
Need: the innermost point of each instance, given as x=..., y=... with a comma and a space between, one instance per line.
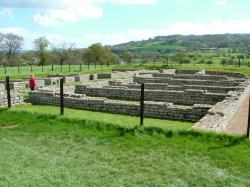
x=115, y=21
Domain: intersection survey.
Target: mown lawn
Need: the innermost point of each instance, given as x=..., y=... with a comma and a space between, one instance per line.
x=25, y=71
x=43, y=149
x=75, y=69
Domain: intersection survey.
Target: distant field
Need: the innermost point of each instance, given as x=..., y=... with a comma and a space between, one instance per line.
x=156, y=48
x=25, y=71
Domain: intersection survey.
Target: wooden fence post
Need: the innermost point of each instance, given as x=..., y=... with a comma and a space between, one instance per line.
x=8, y=91
x=142, y=104
x=61, y=96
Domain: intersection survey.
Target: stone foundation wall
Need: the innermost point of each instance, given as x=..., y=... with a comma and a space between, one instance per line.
x=69, y=79
x=18, y=85
x=104, y=76
x=199, y=77
x=81, y=78
x=162, y=86
x=152, y=109
x=229, y=74
x=187, y=97
x=52, y=81
x=219, y=116
x=170, y=81
x=2, y=87
x=208, y=72
x=15, y=99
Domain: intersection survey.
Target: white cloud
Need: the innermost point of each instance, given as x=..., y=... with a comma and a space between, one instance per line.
x=185, y=28
x=221, y=3
x=149, y=2
x=54, y=12
x=6, y=12
x=63, y=3
x=55, y=16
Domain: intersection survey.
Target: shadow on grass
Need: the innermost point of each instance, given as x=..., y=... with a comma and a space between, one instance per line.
x=4, y=109
x=224, y=140
x=230, y=144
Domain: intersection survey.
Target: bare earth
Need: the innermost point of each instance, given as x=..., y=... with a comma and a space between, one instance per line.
x=10, y=127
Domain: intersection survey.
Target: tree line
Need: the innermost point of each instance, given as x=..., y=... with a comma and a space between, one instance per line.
x=45, y=53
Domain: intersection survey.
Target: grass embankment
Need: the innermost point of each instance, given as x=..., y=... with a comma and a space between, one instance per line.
x=47, y=150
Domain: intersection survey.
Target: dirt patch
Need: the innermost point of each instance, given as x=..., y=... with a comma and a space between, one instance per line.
x=10, y=126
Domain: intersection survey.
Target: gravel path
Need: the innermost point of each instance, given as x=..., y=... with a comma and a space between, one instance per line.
x=238, y=124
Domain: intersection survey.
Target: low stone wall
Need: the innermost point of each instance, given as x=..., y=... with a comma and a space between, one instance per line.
x=124, y=75
x=170, y=81
x=162, y=86
x=81, y=78
x=186, y=71
x=104, y=76
x=229, y=74
x=69, y=79
x=2, y=87
x=208, y=72
x=52, y=81
x=187, y=97
x=168, y=71
x=219, y=116
x=18, y=85
x=152, y=109
x=15, y=99
x=199, y=77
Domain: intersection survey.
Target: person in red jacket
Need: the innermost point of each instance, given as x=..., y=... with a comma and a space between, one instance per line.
x=32, y=82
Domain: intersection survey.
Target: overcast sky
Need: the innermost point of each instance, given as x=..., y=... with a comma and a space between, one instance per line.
x=115, y=21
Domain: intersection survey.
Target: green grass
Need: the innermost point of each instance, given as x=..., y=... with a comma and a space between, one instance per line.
x=45, y=150
x=156, y=48
x=25, y=71
x=101, y=117
x=214, y=67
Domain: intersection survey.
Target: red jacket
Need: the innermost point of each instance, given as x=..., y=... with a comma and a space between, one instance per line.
x=32, y=83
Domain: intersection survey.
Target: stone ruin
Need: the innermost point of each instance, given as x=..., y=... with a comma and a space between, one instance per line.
x=213, y=100
x=210, y=99
x=16, y=99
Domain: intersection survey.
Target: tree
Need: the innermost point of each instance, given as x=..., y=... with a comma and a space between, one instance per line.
x=180, y=56
x=41, y=44
x=1, y=49
x=128, y=56
x=98, y=54
x=11, y=44
x=239, y=58
x=63, y=52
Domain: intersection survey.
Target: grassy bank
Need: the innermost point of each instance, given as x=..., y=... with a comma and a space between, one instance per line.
x=42, y=149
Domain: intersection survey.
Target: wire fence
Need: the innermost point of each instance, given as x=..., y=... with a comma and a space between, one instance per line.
x=50, y=68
